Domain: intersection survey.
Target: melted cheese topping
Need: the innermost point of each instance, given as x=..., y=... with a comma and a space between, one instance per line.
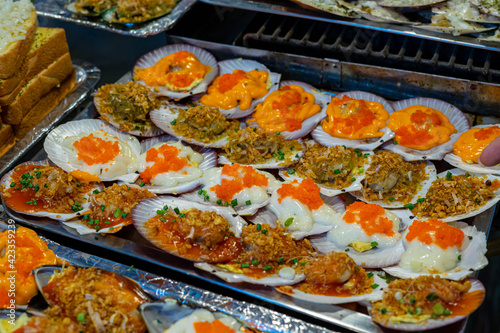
x=420, y=127
x=178, y=71
x=285, y=109
x=366, y=223
x=98, y=153
x=239, y=88
x=299, y=206
x=354, y=119
x=471, y=144
x=170, y=164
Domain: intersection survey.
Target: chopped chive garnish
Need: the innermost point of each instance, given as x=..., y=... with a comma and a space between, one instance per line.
x=267, y=268
x=394, y=142
x=117, y=212
x=374, y=244
x=173, y=122
x=288, y=222
x=163, y=219
x=248, y=202
x=255, y=262
x=374, y=285
x=258, y=227
x=142, y=184
x=12, y=184
x=245, y=265
x=264, y=231
x=409, y=206
x=432, y=297
x=176, y=210
x=291, y=171
x=383, y=311
x=102, y=208
x=295, y=260
x=336, y=171
x=369, y=274
x=353, y=179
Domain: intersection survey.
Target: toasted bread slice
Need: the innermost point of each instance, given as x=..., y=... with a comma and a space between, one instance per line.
x=49, y=44
x=40, y=85
x=7, y=138
x=44, y=106
x=12, y=56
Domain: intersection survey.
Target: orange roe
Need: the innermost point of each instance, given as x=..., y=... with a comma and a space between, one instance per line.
x=435, y=232
x=216, y=326
x=487, y=133
x=165, y=158
x=94, y=150
x=409, y=135
x=306, y=192
x=421, y=118
x=370, y=217
x=495, y=185
x=228, y=81
x=288, y=105
x=241, y=177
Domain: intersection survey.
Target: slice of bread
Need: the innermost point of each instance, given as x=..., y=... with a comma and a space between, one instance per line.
x=44, y=106
x=49, y=44
x=35, y=89
x=12, y=56
x=7, y=138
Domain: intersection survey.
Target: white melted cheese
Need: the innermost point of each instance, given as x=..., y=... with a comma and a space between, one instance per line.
x=344, y=233
x=124, y=163
x=188, y=173
x=13, y=16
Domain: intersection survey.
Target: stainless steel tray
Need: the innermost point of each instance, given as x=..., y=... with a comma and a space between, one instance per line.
x=161, y=288
x=87, y=76
x=57, y=9
x=284, y=7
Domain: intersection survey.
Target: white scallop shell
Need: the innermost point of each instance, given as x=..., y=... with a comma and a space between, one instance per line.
x=61, y=155
x=481, y=209
x=472, y=259
x=326, y=190
x=367, y=144
x=379, y=13
x=374, y=258
x=338, y=7
x=148, y=131
x=409, y=3
x=151, y=58
x=6, y=180
x=486, y=7
x=228, y=66
x=273, y=280
x=431, y=324
x=455, y=31
x=375, y=295
x=272, y=163
x=308, y=124
x=465, y=10
x=83, y=229
x=209, y=161
x=266, y=215
x=456, y=117
x=163, y=118
x=147, y=209
x=430, y=171
x=474, y=167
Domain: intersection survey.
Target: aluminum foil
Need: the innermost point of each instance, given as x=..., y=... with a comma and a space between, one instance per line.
x=57, y=9
x=87, y=76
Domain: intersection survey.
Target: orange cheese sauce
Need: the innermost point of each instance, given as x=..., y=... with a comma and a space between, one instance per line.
x=285, y=109
x=419, y=127
x=238, y=88
x=178, y=70
x=237, y=178
x=306, y=192
x=370, y=217
x=471, y=144
x=354, y=119
x=214, y=327
x=31, y=252
x=93, y=150
x=165, y=158
x=436, y=232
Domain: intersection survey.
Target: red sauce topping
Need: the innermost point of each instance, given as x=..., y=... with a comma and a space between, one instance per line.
x=306, y=192
x=241, y=177
x=165, y=158
x=94, y=150
x=435, y=232
x=370, y=217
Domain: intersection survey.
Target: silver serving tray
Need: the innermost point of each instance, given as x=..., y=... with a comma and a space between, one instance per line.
x=57, y=9
x=87, y=76
x=160, y=288
x=287, y=8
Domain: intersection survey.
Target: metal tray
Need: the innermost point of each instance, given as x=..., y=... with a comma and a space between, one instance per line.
x=284, y=7
x=162, y=288
x=87, y=76
x=57, y=9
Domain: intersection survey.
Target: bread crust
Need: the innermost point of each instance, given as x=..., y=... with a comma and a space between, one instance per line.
x=7, y=138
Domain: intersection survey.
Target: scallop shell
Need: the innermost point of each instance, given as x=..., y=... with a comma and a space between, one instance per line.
x=339, y=8
x=456, y=117
x=72, y=8
x=291, y=157
x=111, y=16
x=367, y=144
x=148, y=131
x=147, y=209
x=414, y=4
x=375, y=295
x=455, y=31
x=474, y=167
x=486, y=8
x=308, y=124
x=465, y=10
x=430, y=171
x=151, y=58
x=472, y=259
x=273, y=280
x=228, y=66
x=379, y=13
x=6, y=180
x=209, y=161
x=61, y=155
x=432, y=324
x=374, y=258
x=481, y=209
x=326, y=190
x=163, y=118
x=266, y=215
